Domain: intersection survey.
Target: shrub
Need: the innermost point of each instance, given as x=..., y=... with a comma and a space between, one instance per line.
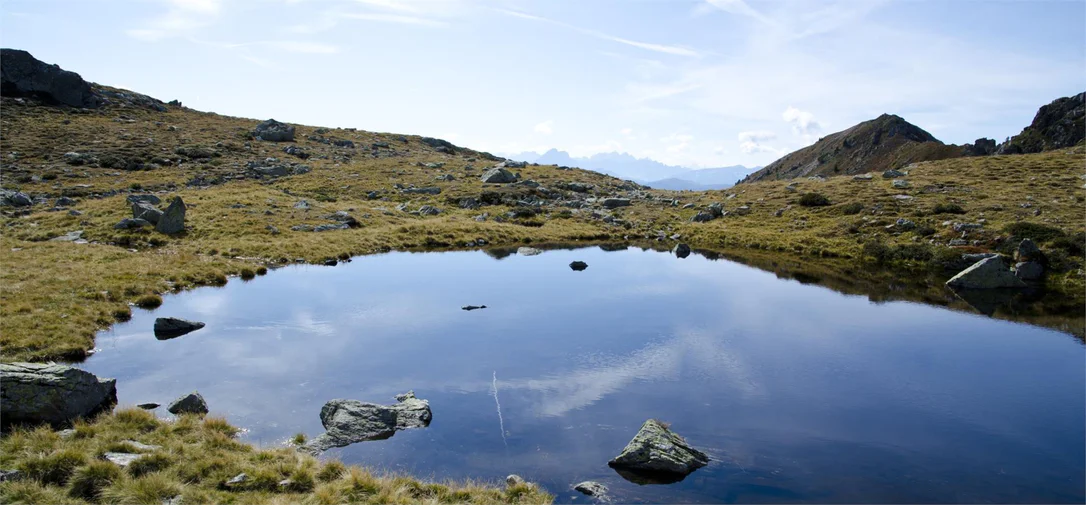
x=53, y=468
x=88, y=481
x=122, y=313
x=247, y=273
x=852, y=209
x=261, y=270
x=814, y=200
x=877, y=251
x=1037, y=232
x=925, y=231
x=149, y=301
x=948, y=208
x=1073, y=246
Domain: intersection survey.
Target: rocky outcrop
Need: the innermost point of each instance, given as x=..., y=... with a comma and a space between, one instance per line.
x=34, y=393
x=192, y=403
x=173, y=327
x=657, y=450
x=351, y=421
x=988, y=273
x=498, y=176
x=9, y=198
x=1057, y=125
x=24, y=75
x=172, y=220
x=274, y=131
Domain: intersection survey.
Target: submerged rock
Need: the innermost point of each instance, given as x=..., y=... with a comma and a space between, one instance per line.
x=191, y=403
x=473, y=307
x=657, y=450
x=578, y=265
x=591, y=488
x=172, y=327
x=988, y=273
x=351, y=421
x=34, y=393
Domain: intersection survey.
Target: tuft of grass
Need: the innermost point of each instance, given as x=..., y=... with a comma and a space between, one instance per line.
x=948, y=208
x=247, y=274
x=298, y=439
x=331, y=470
x=814, y=200
x=122, y=313
x=149, y=301
x=54, y=468
x=851, y=209
x=261, y=270
x=88, y=481
x=151, y=488
x=1038, y=232
x=149, y=463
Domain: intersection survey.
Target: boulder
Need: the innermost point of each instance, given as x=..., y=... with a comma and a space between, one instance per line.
x=656, y=449
x=988, y=273
x=900, y=184
x=131, y=224
x=351, y=421
x=614, y=203
x=591, y=488
x=24, y=75
x=172, y=220
x=715, y=209
x=344, y=217
x=32, y=393
x=191, y=403
x=578, y=266
x=274, y=131
x=681, y=250
x=172, y=327
x=9, y=198
x=498, y=176
x=702, y=217
x=146, y=212
x=1029, y=270
x=893, y=174
x=1028, y=251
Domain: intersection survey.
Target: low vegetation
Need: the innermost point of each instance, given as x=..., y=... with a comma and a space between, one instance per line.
x=195, y=459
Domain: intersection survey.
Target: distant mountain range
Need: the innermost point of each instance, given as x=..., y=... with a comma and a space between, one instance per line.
x=643, y=171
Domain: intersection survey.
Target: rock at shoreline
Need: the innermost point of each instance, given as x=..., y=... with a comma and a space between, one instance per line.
x=274, y=131
x=172, y=220
x=191, y=403
x=591, y=488
x=657, y=450
x=681, y=251
x=34, y=393
x=351, y=421
x=988, y=273
x=578, y=266
x=173, y=327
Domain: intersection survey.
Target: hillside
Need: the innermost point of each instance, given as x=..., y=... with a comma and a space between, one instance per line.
x=884, y=143
x=1057, y=125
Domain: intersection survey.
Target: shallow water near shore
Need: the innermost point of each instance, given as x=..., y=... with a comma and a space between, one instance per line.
x=797, y=393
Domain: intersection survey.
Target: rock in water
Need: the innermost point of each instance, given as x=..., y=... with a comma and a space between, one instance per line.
x=274, y=131
x=988, y=273
x=23, y=74
x=591, y=488
x=578, y=265
x=34, y=393
x=172, y=327
x=656, y=449
x=191, y=403
x=172, y=220
x=351, y=421
x=682, y=251
x=528, y=251
x=498, y=176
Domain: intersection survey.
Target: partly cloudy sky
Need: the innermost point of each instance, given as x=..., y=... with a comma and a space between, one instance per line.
x=694, y=82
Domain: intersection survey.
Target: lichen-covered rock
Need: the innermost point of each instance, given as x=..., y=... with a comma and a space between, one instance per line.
x=988, y=273
x=657, y=449
x=146, y=211
x=34, y=393
x=172, y=220
x=351, y=421
x=274, y=131
x=591, y=488
x=192, y=403
x=498, y=176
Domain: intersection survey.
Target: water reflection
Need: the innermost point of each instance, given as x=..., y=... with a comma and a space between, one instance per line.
x=797, y=392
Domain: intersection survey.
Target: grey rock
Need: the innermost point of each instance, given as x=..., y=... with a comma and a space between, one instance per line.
x=74, y=212
x=66, y=433
x=957, y=242
x=863, y=177
x=900, y=184
x=343, y=217
x=351, y=421
x=71, y=236
x=240, y=478
x=498, y=176
x=10, y=475
x=591, y=488
x=742, y=210
x=528, y=251
x=63, y=202
x=34, y=393
x=330, y=227
x=131, y=224
x=614, y=203
x=893, y=174
x=9, y=198
x=274, y=131
x=702, y=217
x=905, y=224
x=148, y=198
x=968, y=226
x=146, y=212
x=578, y=266
x=657, y=449
x=515, y=480
x=302, y=204
x=23, y=74
x=429, y=190
x=514, y=164
x=902, y=197
x=988, y=273
x=176, y=500
x=715, y=209
x=191, y=403
x=173, y=219
x=139, y=446
x=429, y=210
x=121, y=459
x=1029, y=270
x=1028, y=251
x=148, y=406
x=172, y=327
x=681, y=251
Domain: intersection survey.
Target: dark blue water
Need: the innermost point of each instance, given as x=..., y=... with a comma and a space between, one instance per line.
x=798, y=393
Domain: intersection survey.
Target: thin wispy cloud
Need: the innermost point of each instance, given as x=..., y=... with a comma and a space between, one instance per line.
x=180, y=17
x=659, y=48
x=546, y=127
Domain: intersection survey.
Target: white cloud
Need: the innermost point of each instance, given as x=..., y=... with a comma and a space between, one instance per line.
x=546, y=127
x=677, y=142
x=626, y=131
x=395, y=18
x=181, y=16
x=803, y=122
x=752, y=142
x=660, y=48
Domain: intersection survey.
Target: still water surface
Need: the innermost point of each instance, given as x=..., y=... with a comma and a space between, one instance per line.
x=798, y=393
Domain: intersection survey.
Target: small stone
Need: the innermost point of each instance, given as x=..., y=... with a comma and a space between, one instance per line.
x=121, y=459
x=191, y=403
x=240, y=478
x=10, y=475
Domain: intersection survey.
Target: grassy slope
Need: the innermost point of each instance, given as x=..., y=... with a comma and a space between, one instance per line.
x=55, y=295
x=196, y=456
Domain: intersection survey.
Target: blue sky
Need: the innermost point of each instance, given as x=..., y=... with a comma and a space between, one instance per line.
x=693, y=82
